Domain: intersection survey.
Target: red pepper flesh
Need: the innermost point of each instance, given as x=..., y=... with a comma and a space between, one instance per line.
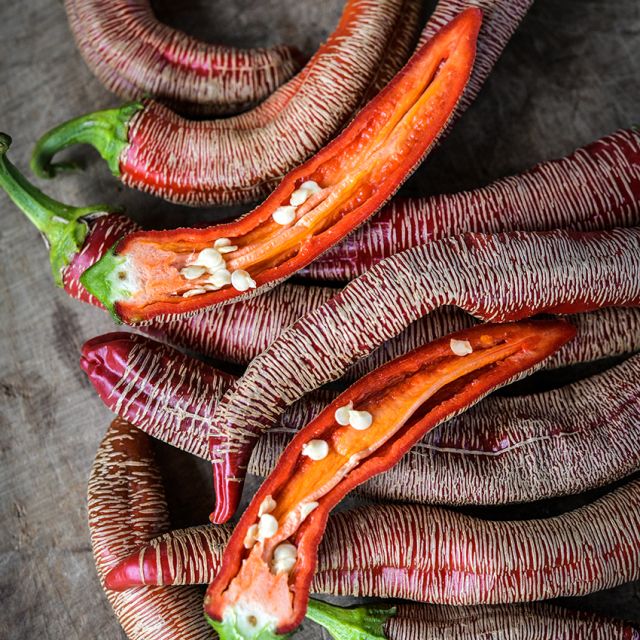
x=403, y=399
x=146, y=273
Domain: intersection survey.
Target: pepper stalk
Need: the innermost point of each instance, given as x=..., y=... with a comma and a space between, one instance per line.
x=63, y=227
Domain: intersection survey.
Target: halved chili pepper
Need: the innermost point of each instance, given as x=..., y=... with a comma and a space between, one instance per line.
x=238, y=332
x=154, y=273
x=267, y=567
x=596, y=187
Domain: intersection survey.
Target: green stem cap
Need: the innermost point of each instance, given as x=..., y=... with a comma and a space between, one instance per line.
x=106, y=131
x=353, y=623
x=63, y=227
x=229, y=630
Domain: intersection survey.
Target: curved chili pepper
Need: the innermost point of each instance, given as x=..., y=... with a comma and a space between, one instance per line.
x=247, y=155
x=155, y=273
x=126, y=506
x=134, y=55
x=499, y=277
x=263, y=585
x=510, y=449
x=388, y=551
x=596, y=187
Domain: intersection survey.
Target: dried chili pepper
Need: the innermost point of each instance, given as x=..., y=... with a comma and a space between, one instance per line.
x=134, y=56
x=244, y=156
x=127, y=509
x=499, y=277
x=263, y=585
x=155, y=273
x=596, y=187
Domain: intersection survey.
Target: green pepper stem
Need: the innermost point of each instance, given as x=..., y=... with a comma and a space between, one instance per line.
x=62, y=226
x=353, y=623
x=106, y=131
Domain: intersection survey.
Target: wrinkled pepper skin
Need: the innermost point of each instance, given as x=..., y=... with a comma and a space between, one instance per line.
x=528, y=273
x=404, y=399
x=597, y=187
x=171, y=397
x=135, y=56
x=124, y=515
x=144, y=275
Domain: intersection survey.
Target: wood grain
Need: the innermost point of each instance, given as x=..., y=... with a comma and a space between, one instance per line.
x=568, y=77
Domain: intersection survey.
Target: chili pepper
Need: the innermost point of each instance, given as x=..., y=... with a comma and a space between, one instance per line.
x=238, y=332
x=173, y=397
x=155, y=273
x=244, y=156
x=388, y=551
x=514, y=622
x=596, y=187
x=127, y=508
x=124, y=512
x=511, y=449
x=134, y=55
x=263, y=585
x=499, y=277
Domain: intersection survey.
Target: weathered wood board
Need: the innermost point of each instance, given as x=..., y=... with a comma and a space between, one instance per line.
x=569, y=76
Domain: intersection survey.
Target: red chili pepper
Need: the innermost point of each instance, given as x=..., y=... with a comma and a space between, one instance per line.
x=126, y=511
x=244, y=156
x=155, y=273
x=138, y=56
x=172, y=397
x=388, y=551
x=238, y=332
x=267, y=567
x=500, y=277
x=596, y=187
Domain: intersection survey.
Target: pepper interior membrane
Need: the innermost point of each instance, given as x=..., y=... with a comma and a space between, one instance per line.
x=320, y=201
x=254, y=594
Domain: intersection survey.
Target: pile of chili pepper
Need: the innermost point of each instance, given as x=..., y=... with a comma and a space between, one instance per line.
x=448, y=299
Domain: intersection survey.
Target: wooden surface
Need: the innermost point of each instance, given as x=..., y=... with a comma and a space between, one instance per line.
x=569, y=76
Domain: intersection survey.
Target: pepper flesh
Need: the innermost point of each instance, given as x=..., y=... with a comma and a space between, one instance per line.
x=142, y=276
x=406, y=398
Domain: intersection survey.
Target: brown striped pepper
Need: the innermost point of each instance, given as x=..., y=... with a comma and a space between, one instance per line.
x=499, y=277
x=596, y=187
x=123, y=515
x=134, y=55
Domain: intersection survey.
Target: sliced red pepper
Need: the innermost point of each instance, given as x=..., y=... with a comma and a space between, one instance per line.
x=267, y=567
x=154, y=273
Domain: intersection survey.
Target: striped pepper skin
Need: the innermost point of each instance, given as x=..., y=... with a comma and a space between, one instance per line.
x=127, y=510
x=528, y=274
x=477, y=561
x=242, y=164
x=255, y=594
x=134, y=56
x=149, y=274
x=596, y=187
